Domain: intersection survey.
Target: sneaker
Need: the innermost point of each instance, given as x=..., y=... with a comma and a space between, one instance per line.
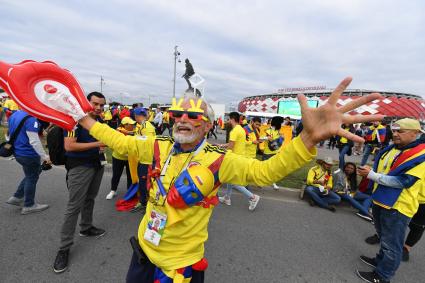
x=225, y=200
x=371, y=277
x=111, y=195
x=36, y=207
x=92, y=232
x=331, y=208
x=139, y=208
x=15, y=201
x=61, y=261
x=405, y=255
x=253, y=202
x=372, y=240
x=368, y=260
x=311, y=202
x=365, y=217
x=275, y=187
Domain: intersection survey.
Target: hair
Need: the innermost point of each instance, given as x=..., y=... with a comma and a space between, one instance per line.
x=256, y=119
x=277, y=122
x=352, y=179
x=95, y=93
x=234, y=116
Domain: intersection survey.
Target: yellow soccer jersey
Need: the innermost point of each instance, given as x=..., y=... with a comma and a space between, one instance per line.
x=237, y=135
x=145, y=129
x=182, y=242
x=250, y=147
x=275, y=135
x=317, y=173
x=407, y=203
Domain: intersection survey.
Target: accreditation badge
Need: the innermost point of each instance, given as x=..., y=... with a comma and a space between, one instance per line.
x=155, y=227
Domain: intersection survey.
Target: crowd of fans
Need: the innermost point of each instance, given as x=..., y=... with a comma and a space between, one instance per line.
x=251, y=138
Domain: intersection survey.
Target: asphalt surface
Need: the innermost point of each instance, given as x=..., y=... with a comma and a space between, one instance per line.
x=283, y=240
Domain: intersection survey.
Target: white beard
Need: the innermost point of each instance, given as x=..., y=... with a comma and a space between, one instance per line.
x=182, y=138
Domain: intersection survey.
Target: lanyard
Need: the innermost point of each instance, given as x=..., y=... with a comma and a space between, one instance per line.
x=192, y=155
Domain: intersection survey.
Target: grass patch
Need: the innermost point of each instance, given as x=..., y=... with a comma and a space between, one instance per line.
x=296, y=179
x=3, y=130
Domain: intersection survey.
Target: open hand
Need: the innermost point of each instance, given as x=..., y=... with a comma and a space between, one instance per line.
x=325, y=121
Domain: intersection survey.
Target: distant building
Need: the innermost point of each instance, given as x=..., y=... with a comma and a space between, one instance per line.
x=393, y=104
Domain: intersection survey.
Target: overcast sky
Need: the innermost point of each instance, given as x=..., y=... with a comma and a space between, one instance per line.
x=241, y=48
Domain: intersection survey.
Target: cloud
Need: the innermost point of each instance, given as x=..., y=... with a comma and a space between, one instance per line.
x=241, y=48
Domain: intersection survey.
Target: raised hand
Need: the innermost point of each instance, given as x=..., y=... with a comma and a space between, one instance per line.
x=325, y=121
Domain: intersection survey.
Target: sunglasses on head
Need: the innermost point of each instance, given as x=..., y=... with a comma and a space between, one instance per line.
x=176, y=114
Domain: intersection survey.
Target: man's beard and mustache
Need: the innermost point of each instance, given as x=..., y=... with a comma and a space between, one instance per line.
x=182, y=137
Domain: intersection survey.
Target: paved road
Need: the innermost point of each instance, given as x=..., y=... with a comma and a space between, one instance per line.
x=284, y=240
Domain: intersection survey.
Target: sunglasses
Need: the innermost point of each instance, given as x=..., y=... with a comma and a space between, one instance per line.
x=176, y=114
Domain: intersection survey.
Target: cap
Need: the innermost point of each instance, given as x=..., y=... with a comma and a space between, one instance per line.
x=328, y=160
x=407, y=124
x=140, y=111
x=127, y=121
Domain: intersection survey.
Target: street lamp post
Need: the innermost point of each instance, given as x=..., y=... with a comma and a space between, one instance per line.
x=102, y=82
x=176, y=56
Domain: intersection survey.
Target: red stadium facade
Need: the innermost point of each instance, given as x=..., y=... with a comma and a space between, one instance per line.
x=393, y=105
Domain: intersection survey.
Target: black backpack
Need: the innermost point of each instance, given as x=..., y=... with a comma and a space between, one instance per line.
x=55, y=144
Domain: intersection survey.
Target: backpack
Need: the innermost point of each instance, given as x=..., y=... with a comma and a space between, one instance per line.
x=275, y=144
x=55, y=144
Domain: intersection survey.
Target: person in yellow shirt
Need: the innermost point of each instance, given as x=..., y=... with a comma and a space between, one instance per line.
x=144, y=129
x=397, y=177
x=237, y=144
x=319, y=185
x=273, y=141
x=166, y=122
x=252, y=137
x=180, y=213
x=119, y=161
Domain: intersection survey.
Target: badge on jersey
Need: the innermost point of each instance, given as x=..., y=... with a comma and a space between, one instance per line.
x=155, y=228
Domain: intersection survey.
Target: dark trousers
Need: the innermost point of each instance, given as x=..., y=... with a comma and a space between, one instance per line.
x=142, y=172
x=391, y=227
x=144, y=273
x=117, y=169
x=83, y=185
x=27, y=187
x=417, y=226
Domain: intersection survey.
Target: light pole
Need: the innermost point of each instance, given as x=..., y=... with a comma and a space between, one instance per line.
x=176, y=56
x=102, y=82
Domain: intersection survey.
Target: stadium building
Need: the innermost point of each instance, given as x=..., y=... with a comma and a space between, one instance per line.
x=284, y=102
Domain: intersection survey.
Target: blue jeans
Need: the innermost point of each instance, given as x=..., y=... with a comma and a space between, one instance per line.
x=321, y=199
x=27, y=187
x=356, y=199
x=366, y=152
x=391, y=228
x=342, y=152
x=241, y=189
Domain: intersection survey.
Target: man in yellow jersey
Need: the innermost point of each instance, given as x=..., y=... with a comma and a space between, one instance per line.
x=252, y=137
x=397, y=176
x=144, y=129
x=273, y=141
x=237, y=144
x=174, y=229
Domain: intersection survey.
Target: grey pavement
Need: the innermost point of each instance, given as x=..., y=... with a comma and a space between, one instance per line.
x=283, y=240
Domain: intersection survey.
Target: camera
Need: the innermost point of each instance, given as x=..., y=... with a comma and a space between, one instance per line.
x=45, y=166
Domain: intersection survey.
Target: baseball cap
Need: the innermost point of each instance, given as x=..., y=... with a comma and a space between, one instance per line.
x=140, y=111
x=127, y=121
x=328, y=160
x=407, y=124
